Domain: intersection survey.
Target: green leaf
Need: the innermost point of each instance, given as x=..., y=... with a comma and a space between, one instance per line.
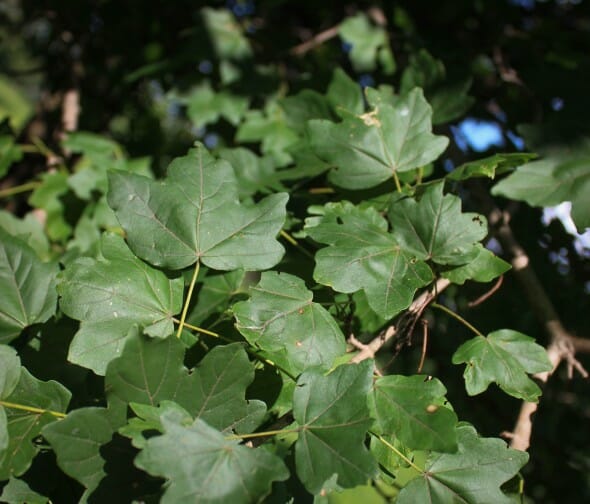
x=9, y=370
x=414, y=411
x=472, y=475
x=345, y=94
x=333, y=415
x=363, y=255
x=17, y=491
x=435, y=229
x=490, y=166
x=195, y=215
x=27, y=286
x=48, y=196
x=28, y=229
x=76, y=441
x=110, y=296
x=303, y=107
x=483, y=268
x=367, y=41
x=202, y=466
x=368, y=149
x=14, y=105
x=226, y=34
x=9, y=153
x=561, y=177
x=205, y=106
x=24, y=426
x=503, y=357
x=281, y=319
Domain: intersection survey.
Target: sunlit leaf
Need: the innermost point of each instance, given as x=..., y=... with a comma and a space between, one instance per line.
x=110, y=296
x=363, y=255
x=503, y=357
x=484, y=267
x=195, y=215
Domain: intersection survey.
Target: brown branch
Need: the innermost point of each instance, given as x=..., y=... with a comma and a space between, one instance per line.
x=562, y=346
x=370, y=349
x=488, y=294
x=315, y=41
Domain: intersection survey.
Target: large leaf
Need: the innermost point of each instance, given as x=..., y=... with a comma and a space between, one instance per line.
x=562, y=176
x=363, y=255
x=76, y=441
x=413, y=410
x=195, y=215
x=151, y=371
x=24, y=426
x=435, y=229
x=367, y=149
x=473, y=475
x=110, y=296
x=17, y=491
x=504, y=357
x=27, y=286
x=333, y=415
x=202, y=466
x=281, y=319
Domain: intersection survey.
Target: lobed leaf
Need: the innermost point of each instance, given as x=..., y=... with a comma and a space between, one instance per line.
x=333, y=416
x=503, y=357
x=281, y=319
x=112, y=295
x=363, y=255
x=27, y=286
x=201, y=465
x=194, y=215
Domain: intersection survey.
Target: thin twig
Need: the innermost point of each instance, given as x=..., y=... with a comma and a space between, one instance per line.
x=488, y=294
x=315, y=41
x=424, y=345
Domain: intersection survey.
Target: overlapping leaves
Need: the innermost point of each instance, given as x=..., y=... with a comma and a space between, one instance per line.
x=195, y=215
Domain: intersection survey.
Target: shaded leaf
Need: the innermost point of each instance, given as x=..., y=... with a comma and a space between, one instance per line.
x=435, y=229
x=281, y=319
x=27, y=286
x=344, y=93
x=363, y=255
x=24, y=426
x=110, y=296
x=303, y=107
x=202, y=466
x=17, y=491
x=484, y=267
x=195, y=215
x=333, y=415
x=414, y=411
x=76, y=441
x=206, y=106
x=503, y=357
x=10, y=152
x=29, y=229
x=14, y=104
x=366, y=150
x=472, y=475
x=48, y=196
x=9, y=370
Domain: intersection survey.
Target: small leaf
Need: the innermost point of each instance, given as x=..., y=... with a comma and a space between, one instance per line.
x=10, y=153
x=76, y=441
x=202, y=466
x=304, y=106
x=490, y=166
x=368, y=149
x=24, y=426
x=345, y=94
x=195, y=215
x=110, y=296
x=363, y=255
x=205, y=106
x=333, y=415
x=282, y=320
x=472, y=475
x=28, y=229
x=413, y=410
x=27, y=286
x=16, y=491
x=504, y=357
x=48, y=196
x=9, y=370
x=483, y=268
x=435, y=229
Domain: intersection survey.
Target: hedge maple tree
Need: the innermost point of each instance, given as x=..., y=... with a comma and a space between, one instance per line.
x=228, y=330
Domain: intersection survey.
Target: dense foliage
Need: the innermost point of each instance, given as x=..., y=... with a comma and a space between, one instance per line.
x=240, y=247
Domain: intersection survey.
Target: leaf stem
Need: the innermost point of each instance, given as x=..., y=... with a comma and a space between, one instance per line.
x=199, y=329
x=295, y=243
x=263, y=434
x=458, y=317
x=29, y=186
x=397, y=184
x=31, y=409
x=189, y=295
x=397, y=452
